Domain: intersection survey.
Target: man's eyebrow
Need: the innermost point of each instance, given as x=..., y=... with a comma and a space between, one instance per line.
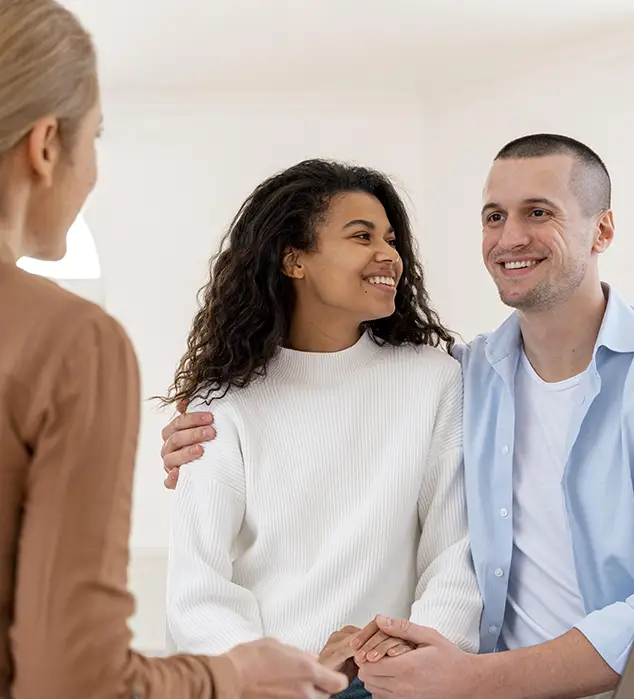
x=491, y=206
x=540, y=200
x=531, y=201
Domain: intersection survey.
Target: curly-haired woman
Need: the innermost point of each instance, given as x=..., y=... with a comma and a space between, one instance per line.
x=333, y=489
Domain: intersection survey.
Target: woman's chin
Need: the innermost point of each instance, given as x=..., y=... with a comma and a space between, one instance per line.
x=380, y=315
x=52, y=252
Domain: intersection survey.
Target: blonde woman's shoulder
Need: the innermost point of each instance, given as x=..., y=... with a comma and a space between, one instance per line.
x=44, y=320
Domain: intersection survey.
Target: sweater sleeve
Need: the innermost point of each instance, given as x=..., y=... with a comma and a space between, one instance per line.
x=207, y=611
x=70, y=639
x=447, y=596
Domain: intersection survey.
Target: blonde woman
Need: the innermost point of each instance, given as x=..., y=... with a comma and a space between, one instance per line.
x=69, y=399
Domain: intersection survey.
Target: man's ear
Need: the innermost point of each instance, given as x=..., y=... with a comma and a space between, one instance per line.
x=291, y=264
x=44, y=149
x=604, y=233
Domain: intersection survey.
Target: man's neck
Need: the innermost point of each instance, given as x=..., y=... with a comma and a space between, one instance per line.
x=559, y=342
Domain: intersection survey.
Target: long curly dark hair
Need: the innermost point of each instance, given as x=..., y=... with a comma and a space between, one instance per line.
x=245, y=308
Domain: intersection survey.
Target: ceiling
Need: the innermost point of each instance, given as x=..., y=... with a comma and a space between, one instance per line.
x=352, y=45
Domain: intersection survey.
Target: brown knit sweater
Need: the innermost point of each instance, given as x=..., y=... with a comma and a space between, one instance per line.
x=69, y=418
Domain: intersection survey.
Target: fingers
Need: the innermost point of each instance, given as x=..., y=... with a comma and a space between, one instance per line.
x=363, y=636
x=183, y=456
x=391, y=646
x=329, y=681
x=186, y=421
x=369, y=647
x=401, y=649
x=179, y=441
x=407, y=631
x=181, y=406
x=172, y=479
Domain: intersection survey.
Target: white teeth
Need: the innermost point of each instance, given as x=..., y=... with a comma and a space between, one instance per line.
x=519, y=265
x=381, y=280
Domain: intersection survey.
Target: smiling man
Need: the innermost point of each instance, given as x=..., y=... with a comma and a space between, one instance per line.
x=549, y=450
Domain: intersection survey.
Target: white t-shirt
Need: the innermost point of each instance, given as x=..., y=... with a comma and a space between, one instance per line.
x=544, y=600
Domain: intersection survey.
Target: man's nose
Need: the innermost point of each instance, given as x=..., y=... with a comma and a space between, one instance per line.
x=514, y=235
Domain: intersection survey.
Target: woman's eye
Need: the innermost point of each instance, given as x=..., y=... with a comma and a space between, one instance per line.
x=392, y=242
x=363, y=236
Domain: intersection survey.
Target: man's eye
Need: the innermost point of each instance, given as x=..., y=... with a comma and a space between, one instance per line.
x=538, y=213
x=494, y=218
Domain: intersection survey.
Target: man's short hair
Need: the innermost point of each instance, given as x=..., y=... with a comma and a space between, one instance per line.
x=589, y=179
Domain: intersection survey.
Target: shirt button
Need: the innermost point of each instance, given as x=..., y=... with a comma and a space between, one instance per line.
x=498, y=572
x=504, y=512
x=493, y=630
x=505, y=450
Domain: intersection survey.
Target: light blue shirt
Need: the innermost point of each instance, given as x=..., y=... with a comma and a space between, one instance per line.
x=598, y=478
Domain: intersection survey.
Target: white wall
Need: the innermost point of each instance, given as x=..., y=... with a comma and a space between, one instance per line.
x=591, y=101
x=173, y=172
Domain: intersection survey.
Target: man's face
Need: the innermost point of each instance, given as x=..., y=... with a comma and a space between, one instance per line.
x=537, y=243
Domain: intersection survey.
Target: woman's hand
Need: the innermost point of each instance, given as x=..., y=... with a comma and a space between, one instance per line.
x=338, y=655
x=371, y=644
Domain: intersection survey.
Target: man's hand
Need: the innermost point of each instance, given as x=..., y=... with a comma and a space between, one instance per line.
x=568, y=667
x=182, y=439
x=269, y=670
x=437, y=669
x=337, y=654
x=372, y=644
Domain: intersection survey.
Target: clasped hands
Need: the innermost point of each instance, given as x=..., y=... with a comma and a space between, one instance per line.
x=347, y=650
x=396, y=659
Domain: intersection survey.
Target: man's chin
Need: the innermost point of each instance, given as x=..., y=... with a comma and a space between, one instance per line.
x=520, y=302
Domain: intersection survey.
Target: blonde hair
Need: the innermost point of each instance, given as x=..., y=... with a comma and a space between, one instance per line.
x=48, y=66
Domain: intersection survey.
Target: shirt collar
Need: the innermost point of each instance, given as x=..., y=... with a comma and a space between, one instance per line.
x=616, y=333
x=617, y=328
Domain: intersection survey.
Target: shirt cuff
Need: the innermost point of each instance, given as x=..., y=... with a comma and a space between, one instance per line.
x=611, y=631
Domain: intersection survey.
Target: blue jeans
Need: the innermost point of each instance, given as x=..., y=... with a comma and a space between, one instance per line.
x=355, y=691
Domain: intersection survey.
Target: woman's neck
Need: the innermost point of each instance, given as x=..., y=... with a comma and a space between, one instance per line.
x=10, y=244
x=12, y=225
x=319, y=335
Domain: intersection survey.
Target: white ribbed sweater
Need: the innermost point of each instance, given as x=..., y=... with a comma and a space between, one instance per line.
x=305, y=513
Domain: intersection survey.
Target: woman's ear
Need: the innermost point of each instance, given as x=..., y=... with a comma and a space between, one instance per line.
x=291, y=264
x=44, y=149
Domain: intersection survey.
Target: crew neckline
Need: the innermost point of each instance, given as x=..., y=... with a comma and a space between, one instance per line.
x=549, y=385
x=323, y=367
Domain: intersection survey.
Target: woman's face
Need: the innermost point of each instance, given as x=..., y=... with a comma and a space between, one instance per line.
x=355, y=270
